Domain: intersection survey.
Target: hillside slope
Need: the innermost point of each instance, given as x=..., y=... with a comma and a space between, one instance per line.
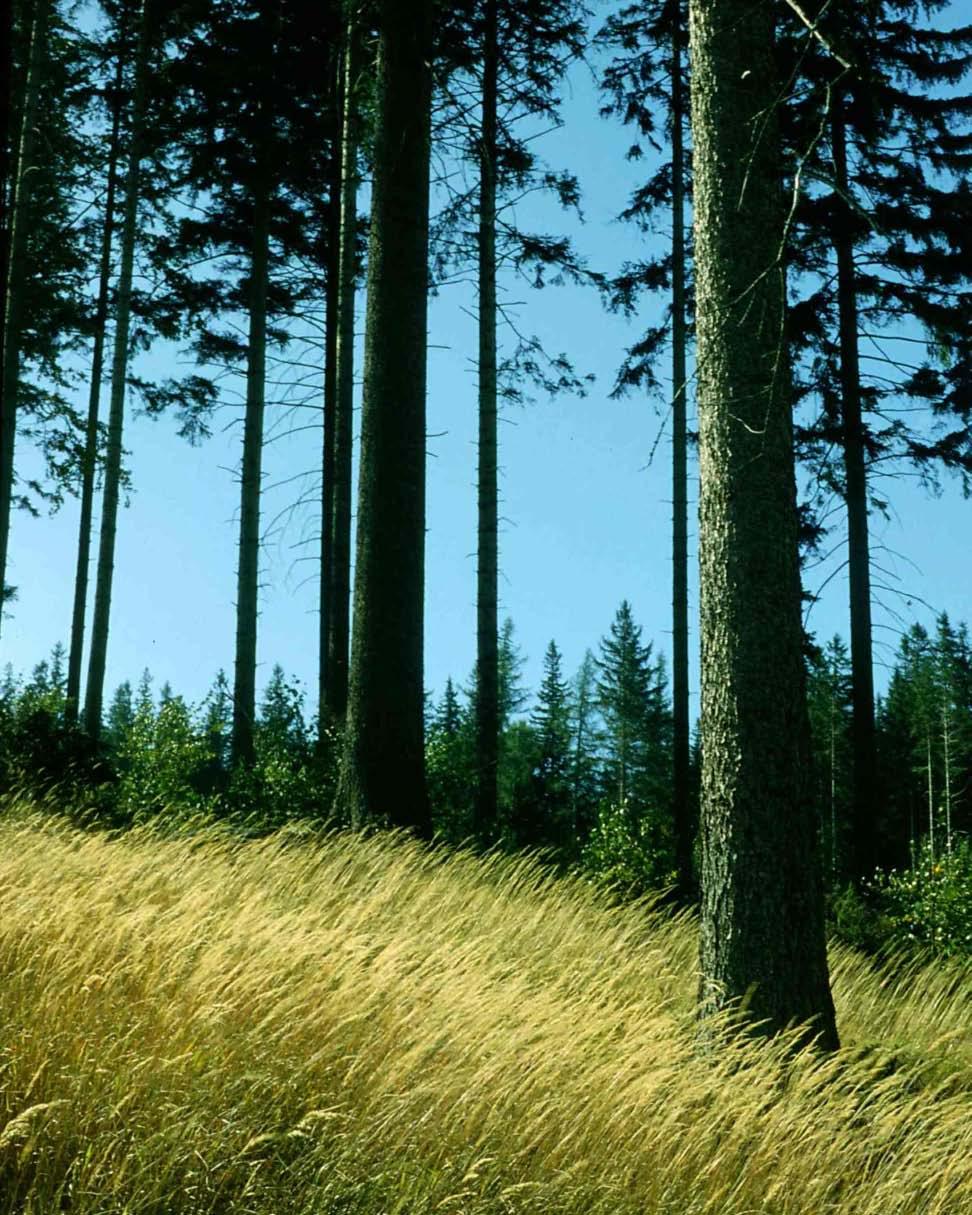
x=355, y=1025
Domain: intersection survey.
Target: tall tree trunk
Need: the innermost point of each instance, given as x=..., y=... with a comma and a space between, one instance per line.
x=73, y=695
x=331, y=309
x=487, y=571
x=334, y=692
x=863, y=743
x=762, y=940
x=681, y=742
x=13, y=284
x=383, y=764
x=248, y=568
x=94, y=692
x=6, y=160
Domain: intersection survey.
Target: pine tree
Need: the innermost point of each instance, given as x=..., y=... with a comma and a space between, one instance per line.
x=339, y=384
x=550, y=821
x=885, y=242
x=519, y=56
x=632, y=699
x=648, y=74
x=382, y=770
x=762, y=927
x=830, y=706
x=94, y=691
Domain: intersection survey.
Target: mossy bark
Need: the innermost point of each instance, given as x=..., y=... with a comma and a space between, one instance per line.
x=762, y=944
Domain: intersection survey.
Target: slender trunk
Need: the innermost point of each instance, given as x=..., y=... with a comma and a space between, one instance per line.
x=681, y=743
x=73, y=695
x=331, y=306
x=248, y=569
x=339, y=583
x=383, y=764
x=762, y=945
x=14, y=282
x=6, y=85
x=931, y=792
x=487, y=569
x=833, y=790
x=947, y=762
x=863, y=744
x=94, y=692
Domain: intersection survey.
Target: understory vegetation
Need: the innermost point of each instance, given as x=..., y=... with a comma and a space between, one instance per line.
x=347, y=1023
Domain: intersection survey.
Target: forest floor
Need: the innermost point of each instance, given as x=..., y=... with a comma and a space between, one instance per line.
x=356, y=1025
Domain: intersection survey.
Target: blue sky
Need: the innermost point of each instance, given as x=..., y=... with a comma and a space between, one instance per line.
x=586, y=519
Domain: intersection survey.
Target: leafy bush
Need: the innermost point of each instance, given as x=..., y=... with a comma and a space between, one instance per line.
x=930, y=904
x=629, y=850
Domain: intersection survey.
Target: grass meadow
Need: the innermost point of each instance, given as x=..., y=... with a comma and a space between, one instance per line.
x=357, y=1025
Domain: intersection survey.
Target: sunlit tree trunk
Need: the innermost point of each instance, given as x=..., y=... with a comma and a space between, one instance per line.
x=863, y=743
x=337, y=614
x=76, y=650
x=94, y=691
x=681, y=741
x=762, y=942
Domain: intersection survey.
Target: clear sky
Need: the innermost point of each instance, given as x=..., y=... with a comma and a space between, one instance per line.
x=586, y=519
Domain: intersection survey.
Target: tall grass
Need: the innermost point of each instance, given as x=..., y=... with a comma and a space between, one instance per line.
x=357, y=1025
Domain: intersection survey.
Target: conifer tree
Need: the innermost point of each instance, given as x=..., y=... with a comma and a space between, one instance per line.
x=762, y=927
x=551, y=819
x=94, y=691
x=884, y=238
x=339, y=383
x=648, y=75
x=382, y=769
x=520, y=55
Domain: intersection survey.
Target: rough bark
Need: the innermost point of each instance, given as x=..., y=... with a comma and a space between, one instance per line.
x=487, y=569
x=681, y=742
x=6, y=72
x=248, y=566
x=331, y=308
x=336, y=637
x=863, y=744
x=383, y=771
x=94, y=691
x=13, y=284
x=762, y=945
x=90, y=460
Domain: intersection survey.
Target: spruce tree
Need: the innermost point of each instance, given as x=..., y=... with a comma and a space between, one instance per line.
x=762, y=926
x=880, y=240
x=646, y=77
x=382, y=769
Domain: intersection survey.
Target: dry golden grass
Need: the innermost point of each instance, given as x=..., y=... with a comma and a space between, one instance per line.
x=203, y=1025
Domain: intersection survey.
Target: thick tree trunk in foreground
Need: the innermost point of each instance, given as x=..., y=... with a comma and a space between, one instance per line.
x=383, y=765
x=336, y=559
x=762, y=930
x=94, y=692
x=487, y=571
x=75, y=653
x=681, y=743
x=248, y=567
x=13, y=284
x=863, y=745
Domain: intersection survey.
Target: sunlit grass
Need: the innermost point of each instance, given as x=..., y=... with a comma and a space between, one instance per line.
x=356, y=1025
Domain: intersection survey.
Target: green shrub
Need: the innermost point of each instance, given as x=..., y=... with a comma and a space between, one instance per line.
x=929, y=904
